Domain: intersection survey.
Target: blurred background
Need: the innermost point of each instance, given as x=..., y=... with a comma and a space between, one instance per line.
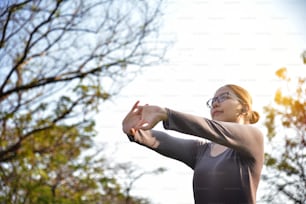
x=71, y=71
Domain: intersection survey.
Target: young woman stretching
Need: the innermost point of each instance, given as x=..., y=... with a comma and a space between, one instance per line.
x=227, y=169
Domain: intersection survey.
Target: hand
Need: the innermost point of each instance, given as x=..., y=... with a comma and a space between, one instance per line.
x=132, y=119
x=146, y=138
x=150, y=116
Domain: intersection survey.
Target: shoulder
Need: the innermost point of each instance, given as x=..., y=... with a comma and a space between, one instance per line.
x=247, y=138
x=245, y=128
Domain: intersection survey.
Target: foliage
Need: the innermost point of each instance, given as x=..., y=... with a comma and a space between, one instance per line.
x=286, y=124
x=59, y=60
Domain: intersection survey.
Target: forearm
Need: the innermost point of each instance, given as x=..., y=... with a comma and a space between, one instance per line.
x=194, y=125
x=176, y=148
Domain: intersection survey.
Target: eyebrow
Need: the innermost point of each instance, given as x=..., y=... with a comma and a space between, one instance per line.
x=221, y=94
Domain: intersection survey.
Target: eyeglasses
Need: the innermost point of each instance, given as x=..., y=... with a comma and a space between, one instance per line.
x=222, y=97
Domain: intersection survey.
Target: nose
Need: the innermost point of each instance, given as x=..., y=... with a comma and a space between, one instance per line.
x=215, y=104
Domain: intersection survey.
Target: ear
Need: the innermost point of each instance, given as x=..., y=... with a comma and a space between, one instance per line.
x=244, y=109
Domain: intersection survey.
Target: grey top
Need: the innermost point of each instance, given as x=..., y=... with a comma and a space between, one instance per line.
x=230, y=177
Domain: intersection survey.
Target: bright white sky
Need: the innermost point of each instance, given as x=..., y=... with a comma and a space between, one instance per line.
x=216, y=42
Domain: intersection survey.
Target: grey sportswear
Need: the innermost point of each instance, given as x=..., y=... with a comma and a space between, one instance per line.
x=230, y=177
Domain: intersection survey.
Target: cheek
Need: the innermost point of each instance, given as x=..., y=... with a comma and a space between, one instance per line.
x=232, y=109
x=232, y=114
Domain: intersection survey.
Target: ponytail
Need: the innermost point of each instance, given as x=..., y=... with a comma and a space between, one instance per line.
x=253, y=117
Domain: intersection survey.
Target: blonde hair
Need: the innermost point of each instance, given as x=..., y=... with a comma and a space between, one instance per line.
x=246, y=98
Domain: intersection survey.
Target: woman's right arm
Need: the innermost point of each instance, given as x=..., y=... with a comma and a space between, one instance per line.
x=184, y=150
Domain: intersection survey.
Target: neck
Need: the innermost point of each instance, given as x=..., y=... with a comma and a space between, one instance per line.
x=242, y=120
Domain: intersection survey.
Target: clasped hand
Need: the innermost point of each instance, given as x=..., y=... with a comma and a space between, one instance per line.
x=142, y=117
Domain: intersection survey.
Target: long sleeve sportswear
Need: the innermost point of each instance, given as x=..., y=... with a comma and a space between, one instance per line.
x=230, y=177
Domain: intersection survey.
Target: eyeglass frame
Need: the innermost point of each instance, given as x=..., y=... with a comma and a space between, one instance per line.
x=225, y=95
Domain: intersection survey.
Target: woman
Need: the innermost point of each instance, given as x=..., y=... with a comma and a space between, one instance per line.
x=227, y=169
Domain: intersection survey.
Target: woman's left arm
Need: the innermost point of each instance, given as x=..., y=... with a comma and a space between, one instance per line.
x=246, y=139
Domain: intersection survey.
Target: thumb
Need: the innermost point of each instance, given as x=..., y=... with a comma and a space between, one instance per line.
x=133, y=131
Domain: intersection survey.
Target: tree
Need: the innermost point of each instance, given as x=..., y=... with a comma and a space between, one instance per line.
x=134, y=174
x=59, y=60
x=286, y=124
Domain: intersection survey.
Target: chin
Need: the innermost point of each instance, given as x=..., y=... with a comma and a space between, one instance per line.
x=220, y=118
x=217, y=118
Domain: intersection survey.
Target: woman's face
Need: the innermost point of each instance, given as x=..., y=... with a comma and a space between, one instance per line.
x=226, y=106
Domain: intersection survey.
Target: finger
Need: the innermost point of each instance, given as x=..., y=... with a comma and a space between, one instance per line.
x=138, y=110
x=143, y=125
x=133, y=131
x=135, y=106
x=139, y=124
x=137, y=135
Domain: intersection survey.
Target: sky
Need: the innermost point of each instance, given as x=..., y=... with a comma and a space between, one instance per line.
x=216, y=42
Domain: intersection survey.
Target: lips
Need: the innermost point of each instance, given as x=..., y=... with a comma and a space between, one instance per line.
x=216, y=112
